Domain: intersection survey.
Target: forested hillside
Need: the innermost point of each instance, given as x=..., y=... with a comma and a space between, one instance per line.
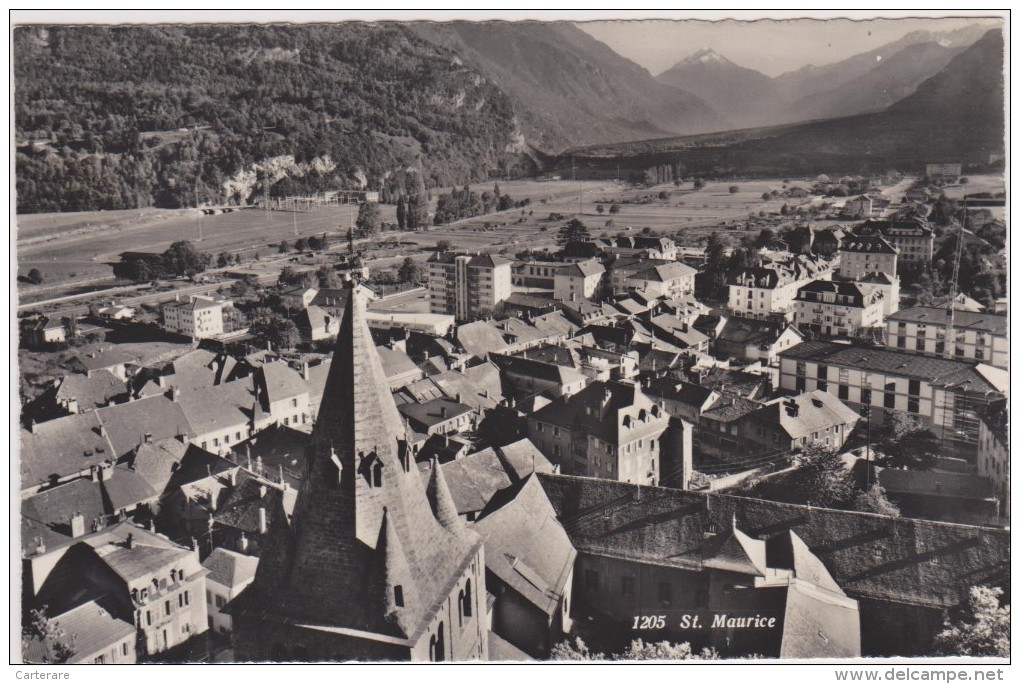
x=119, y=117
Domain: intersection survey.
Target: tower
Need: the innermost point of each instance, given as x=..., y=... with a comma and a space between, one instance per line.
x=370, y=566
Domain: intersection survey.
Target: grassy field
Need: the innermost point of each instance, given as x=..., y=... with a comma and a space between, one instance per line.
x=80, y=248
x=993, y=183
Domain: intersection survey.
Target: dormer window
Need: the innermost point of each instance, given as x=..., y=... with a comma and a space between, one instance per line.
x=398, y=596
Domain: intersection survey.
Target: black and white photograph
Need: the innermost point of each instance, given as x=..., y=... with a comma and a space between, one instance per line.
x=506, y=337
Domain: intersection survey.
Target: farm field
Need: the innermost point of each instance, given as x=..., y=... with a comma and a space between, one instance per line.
x=76, y=249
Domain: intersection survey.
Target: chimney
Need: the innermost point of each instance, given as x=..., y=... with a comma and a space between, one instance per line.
x=243, y=543
x=31, y=425
x=262, y=520
x=77, y=525
x=442, y=411
x=306, y=371
x=233, y=477
x=175, y=394
x=162, y=381
x=194, y=544
x=147, y=438
x=262, y=491
x=130, y=540
x=72, y=405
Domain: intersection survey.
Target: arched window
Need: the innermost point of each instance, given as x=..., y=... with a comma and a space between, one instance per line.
x=642, y=415
x=134, y=595
x=655, y=411
x=440, y=644
x=626, y=421
x=467, y=598
x=173, y=576
x=460, y=606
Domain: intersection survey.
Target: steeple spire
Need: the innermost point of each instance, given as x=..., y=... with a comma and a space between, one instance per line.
x=441, y=500
x=398, y=587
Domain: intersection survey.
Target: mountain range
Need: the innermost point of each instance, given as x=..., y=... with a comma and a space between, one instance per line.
x=955, y=115
x=866, y=82
x=119, y=117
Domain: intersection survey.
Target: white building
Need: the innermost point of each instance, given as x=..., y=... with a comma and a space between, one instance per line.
x=465, y=285
x=922, y=329
x=229, y=573
x=199, y=318
x=837, y=308
x=579, y=280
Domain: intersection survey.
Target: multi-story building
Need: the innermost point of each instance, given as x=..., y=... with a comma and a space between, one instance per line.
x=993, y=453
x=199, y=318
x=465, y=285
x=858, y=207
x=610, y=430
x=140, y=578
x=922, y=329
x=536, y=274
x=790, y=423
x=581, y=280
x=837, y=308
x=947, y=395
x=229, y=573
x=943, y=171
x=913, y=239
x=865, y=255
x=760, y=292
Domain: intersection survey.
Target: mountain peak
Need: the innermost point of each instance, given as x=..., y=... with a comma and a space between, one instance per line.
x=706, y=55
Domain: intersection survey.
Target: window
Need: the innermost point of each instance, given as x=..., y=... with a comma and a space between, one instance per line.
x=168, y=606
x=208, y=596
x=823, y=373
x=801, y=368
x=293, y=403
x=844, y=375
x=216, y=441
x=220, y=601
x=148, y=618
x=823, y=386
x=467, y=599
x=627, y=586
x=913, y=405
x=180, y=600
x=187, y=598
x=124, y=648
x=914, y=388
x=556, y=432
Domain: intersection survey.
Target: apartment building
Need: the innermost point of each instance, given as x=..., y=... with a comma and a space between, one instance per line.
x=199, y=318
x=864, y=255
x=464, y=285
x=922, y=329
x=912, y=237
x=579, y=280
x=837, y=308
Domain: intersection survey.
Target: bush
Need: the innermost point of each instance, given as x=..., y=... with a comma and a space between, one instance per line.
x=35, y=276
x=734, y=189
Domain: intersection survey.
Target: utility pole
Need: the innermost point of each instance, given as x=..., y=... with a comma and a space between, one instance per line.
x=950, y=343
x=294, y=214
x=198, y=211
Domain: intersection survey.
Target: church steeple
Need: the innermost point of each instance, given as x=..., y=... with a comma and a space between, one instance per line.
x=365, y=550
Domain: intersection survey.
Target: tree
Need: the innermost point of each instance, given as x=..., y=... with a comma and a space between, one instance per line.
x=599, y=208
x=368, y=219
x=183, y=259
x=417, y=212
x=327, y=277
x=983, y=630
x=267, y=326
x=284, y=247
x=35, y=276
x=614, y=208
x=409, y=271
x=875, y=501
x=578, y=651
x=573, y=231
x=401, y=213
x=929, y=286
x=715, y=252
x=224, y=259
x=765, y=197
x=699, y=183
x=443, y=246
x=907, y=442
x=301, y=244
x=734, y=189
x=58, y=646
x=821, y=478
x=784, y=210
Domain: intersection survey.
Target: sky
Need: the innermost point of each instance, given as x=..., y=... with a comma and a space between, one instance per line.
x=771, y=47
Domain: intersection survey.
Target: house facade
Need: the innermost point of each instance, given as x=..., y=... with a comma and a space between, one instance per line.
x=837, y=308
x=979, y=336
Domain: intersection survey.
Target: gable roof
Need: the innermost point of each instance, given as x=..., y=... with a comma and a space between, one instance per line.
x=816, y=410
x=128, y=423
x=229, y=568
x=90, y=391
x=994, y=324
x=64, y=446
x=92, y=627
x=736, y=552
x=527, y=548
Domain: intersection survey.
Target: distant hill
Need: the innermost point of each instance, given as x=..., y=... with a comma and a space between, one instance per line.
x=956, y=115
x=746, y=97
x=569, y=88
x=866, y=82
x=892, y=80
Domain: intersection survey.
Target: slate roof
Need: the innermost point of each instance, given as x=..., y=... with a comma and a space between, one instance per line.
x=281, y=381
x=90, y=391
x=93, y=628
x=48, y=513
x=540, y=370
x=107, y=358
x=229, y=568
x=818, y=624
x=995, y=324
x=276, y=446
x=730, y=407
x=523, y=458
x=904, y=364
x=501, y=650
x=396, y=363
x=952, y=486
x=607, y=400
x=664, y=273
x=240, y=509
x=220, y=407
x=741, y=330
x=816, y=411
x=481, y=337
x=479, y=397
x=430, y=413
x=582, y=269
x=64, y=446
x=747, y=385
x=127, y=424
x=736, y=552
x=474, y=480
x=870, y=556
x=527, y=548
x=872, y=244
x=687, y=393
